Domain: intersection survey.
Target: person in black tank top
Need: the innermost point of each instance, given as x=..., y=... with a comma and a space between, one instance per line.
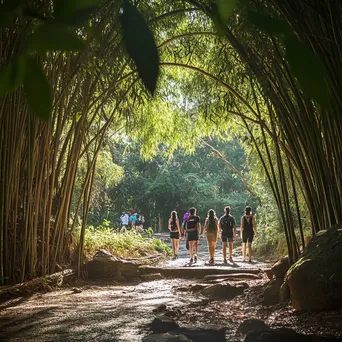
x=193, y=230
x=174, y=229
x=248, y=231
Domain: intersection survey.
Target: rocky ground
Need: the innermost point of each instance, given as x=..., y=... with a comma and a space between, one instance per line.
x=108, y=311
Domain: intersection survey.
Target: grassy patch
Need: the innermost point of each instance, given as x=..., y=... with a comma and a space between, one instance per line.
x=125, y=245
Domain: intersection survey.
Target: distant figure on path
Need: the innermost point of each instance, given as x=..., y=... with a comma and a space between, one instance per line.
x=193, y=230
x=124, y=220
x=228, y=233
x=132, y=219
x=248, y=231
x=211, y=228
x=185, y=218
x=175, y=233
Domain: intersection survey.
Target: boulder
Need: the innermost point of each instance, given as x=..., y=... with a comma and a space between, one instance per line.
x=217, y=334
x=151, y=277
x=315, y=279
x=223, y=290
x=285, y=335
x=280, y=268
x=167, y=337
x=105, y=265
x=272, y=292
x=163, y=324
x=251, y=324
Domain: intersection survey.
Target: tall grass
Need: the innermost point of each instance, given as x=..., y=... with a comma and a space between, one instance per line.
x=125, y=245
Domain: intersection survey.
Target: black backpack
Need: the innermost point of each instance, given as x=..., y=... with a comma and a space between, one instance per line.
x=227, y=223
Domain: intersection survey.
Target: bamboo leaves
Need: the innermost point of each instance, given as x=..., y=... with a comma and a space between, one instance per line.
x=303, y=62
x=37, y=91
x=12, y=76
x=53, y=36
x=140, y=45
x=308, y=69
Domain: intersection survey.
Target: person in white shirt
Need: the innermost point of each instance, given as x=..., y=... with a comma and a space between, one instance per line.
x=124, y=220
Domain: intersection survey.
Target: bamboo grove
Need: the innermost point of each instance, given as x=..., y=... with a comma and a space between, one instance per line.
x=246, y=79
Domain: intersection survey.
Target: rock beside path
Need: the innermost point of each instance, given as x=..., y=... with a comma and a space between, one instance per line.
x=165, y=328
x=285, y=335
x=315, y=280
x=167, y=337
x=223, y=290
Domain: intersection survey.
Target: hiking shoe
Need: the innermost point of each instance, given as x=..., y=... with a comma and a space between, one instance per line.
x=250, y=260
x=211, y=261
x=195, y=258
x=231, y=259
x=225, y=261
x=191, y=260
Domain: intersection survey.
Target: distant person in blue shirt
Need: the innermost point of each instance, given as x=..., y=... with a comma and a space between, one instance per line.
x=132, y=219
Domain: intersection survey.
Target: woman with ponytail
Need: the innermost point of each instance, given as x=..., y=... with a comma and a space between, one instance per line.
x=211, y=228
x=174, y=229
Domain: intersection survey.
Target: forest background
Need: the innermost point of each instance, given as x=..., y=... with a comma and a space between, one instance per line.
x=259, y=74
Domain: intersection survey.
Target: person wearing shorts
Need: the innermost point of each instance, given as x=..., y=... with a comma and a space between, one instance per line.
x=211, y=228
x=193, y=230
x=174, y=233
x=227, y=227
x=248, y=232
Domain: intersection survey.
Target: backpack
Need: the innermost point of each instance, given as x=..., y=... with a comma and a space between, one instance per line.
x=211, y=224
x=227, y=223
x=174, y=226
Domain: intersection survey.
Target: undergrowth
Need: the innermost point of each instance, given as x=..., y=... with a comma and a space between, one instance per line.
x=127, y=244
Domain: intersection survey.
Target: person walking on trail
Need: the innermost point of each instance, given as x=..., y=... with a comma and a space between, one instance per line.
x=193, y=230
x=228, y=233
x=211, y=229
x=175, y=233
x=132, y=219
x=124, y=220
x=185, y=218
x=248, y=231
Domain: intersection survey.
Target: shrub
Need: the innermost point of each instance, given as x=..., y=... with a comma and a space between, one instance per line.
x=127, y=244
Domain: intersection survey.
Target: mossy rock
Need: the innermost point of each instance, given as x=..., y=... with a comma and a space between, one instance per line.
x=315, y=279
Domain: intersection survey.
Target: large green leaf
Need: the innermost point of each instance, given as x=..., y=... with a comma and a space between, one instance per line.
x=225, y=8
x=37, y=90
x=12, y=76
x=74, y=12
x=266, y=23
x=140, y=45
x=52, y=36
x=308, y=70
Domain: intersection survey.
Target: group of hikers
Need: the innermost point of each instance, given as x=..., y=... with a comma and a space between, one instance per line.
x=133, y=221
x=223, y=228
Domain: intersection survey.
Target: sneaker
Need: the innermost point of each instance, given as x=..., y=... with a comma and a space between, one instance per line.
x=211, y=261
x=195, y=257
x=191, y=260
x=231, y=259
x=250, y=260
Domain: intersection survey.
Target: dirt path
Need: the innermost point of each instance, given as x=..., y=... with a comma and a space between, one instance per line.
x=106, y=311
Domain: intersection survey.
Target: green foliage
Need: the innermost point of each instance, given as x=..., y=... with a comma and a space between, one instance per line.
x=37, y=83
x=140, y=44
x=308, y=69
x=52, y=36
x=13, y=75
x=125, y=245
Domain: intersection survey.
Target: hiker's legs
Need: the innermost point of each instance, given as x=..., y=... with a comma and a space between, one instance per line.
x=244, y=251
x=191, y=247
x=230, y=249
x=173, y=246
x=176, y=246
x=250, y=251
x=224, y=250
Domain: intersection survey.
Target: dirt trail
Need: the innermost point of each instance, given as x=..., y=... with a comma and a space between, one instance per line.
x=106, y=311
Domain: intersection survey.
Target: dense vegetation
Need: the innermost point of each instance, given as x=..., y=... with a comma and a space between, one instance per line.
x=267, y=72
